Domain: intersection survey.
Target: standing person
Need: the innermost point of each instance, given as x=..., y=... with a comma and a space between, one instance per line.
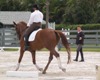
x=34, y=23
x=79, y=43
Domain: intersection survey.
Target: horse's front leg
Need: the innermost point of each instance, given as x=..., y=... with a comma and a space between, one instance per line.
x=49, y=61
x=34, y=60
x=20, y=58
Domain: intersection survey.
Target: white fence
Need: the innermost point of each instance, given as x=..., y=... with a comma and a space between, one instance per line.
x=51, y=25
x=92, y=38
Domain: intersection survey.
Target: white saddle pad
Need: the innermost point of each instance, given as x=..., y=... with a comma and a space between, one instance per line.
x=33, y=34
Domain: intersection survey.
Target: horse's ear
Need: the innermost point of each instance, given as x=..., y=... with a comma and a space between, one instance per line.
x=14, y=23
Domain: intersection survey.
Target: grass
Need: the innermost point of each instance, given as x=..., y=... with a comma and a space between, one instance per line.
x=88, y=47
x=62, y=49
x=84, y=49
x=10, y=49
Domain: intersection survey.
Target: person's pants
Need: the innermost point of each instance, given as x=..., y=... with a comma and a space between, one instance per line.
x=28, y=31
x=79, y=49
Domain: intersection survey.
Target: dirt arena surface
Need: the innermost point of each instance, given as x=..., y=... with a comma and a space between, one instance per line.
x=74, y=71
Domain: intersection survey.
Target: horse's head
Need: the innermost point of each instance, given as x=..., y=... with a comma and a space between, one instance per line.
x=20, y=28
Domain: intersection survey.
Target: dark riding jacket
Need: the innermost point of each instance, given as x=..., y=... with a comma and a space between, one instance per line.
x=78, y=40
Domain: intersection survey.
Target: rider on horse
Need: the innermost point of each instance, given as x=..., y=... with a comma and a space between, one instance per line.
x=34, y=23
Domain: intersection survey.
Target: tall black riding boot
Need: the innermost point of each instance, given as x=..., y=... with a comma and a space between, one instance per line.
x=76, y=59
x=26, y=43
x=82, y=57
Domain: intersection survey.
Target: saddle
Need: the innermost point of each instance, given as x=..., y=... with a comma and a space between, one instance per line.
x=33, y=35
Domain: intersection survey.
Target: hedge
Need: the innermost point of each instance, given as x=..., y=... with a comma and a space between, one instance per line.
x=73, y=27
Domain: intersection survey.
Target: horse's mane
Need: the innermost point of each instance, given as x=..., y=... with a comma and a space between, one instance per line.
x=21, y=27
x=22, y=22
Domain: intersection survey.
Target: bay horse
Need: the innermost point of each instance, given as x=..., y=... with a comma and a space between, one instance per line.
x=45, y=38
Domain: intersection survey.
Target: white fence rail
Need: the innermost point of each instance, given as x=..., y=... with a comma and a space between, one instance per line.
x=8, y=38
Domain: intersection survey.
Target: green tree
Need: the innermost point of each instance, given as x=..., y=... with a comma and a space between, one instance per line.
x=80, y=11
x=57, y=9
x=60, y=11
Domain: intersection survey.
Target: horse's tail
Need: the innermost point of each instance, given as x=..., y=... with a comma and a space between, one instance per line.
x=64, y=40
x=65, y=43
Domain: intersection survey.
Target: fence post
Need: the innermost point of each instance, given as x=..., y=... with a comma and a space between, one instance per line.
x=97, y=38
x=2, y=46
x=51, y=25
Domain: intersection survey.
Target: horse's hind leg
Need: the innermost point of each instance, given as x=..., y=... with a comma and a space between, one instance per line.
x=49, y=61
x=34, y=60
x=20, y=58
x=59, y=61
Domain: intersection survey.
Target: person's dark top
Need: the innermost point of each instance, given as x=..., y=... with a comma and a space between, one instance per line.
x=78, y=41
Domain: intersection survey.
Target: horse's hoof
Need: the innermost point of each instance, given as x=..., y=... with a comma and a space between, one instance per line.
x=16, y=69
x=43, y=72
x=68, y=62
x=41, y=69
x=63, y=69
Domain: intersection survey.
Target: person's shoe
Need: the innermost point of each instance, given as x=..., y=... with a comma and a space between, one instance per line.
x=81, y=61
x=75, y=60
x=26, y=48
